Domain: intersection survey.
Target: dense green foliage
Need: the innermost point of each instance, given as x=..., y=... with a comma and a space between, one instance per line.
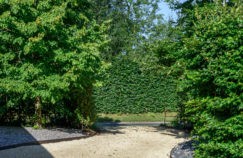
x=214, y=80
x=50, y=54
x=132, y=88
x=49, y=58
x=209, y=60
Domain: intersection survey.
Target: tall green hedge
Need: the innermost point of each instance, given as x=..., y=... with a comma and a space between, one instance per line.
x=130, y=88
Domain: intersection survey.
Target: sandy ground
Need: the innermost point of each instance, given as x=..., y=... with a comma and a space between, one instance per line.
x=113, y=142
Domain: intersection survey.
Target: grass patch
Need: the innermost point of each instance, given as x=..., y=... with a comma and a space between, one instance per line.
x=146, y=117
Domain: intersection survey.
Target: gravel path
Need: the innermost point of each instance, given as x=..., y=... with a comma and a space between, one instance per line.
x=15, y=136
x=112, y=142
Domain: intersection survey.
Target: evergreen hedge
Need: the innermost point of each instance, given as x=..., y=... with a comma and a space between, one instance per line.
x=130, y=88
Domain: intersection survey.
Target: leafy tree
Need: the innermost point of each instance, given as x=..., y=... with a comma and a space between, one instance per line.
x=130, y=23
x=206, y=50
x=212, y=55
x=49, y=53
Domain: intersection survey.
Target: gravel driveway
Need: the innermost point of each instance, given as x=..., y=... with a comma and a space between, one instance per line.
x=112, y=142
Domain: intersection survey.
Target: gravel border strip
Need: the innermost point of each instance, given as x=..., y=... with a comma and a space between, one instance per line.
x=43, y=142
x=12, y=137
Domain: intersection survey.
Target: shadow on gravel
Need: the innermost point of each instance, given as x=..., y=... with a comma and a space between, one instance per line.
x=110, y=130
x=107, y=119
x=172, y=131
x=13, y=137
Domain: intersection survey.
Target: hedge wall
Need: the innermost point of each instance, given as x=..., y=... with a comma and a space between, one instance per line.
x=128, y=89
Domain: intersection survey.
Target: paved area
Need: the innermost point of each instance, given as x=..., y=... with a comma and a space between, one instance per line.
x=112, y=142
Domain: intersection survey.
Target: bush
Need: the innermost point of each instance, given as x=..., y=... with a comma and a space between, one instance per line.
x=213, y=80
x=49, y=56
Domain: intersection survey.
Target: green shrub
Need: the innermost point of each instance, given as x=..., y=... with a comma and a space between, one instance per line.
x=213, y=80
x=49, y=55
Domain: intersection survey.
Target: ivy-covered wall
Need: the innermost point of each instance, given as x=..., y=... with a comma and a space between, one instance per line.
x=129, y=88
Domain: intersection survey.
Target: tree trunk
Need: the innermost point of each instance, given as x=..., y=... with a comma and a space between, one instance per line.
x=38, y=122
